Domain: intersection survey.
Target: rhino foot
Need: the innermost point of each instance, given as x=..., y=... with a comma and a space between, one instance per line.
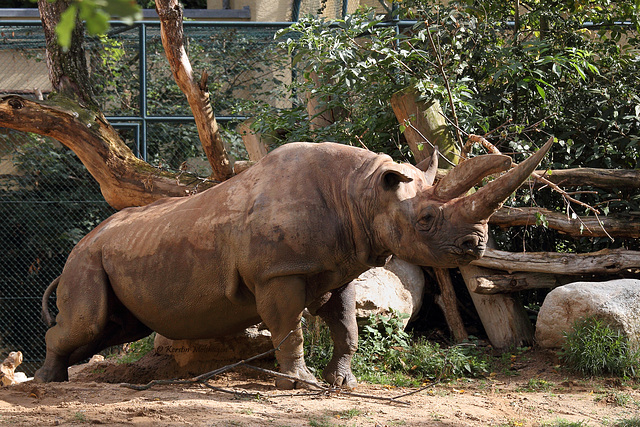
x=290, y=384
x=46, y=375
x=340, y=377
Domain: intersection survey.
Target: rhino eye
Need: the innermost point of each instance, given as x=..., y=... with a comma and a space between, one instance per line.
x=426, y=222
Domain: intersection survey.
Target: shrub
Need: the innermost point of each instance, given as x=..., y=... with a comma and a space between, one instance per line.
x=388, y=354
x=594, y=347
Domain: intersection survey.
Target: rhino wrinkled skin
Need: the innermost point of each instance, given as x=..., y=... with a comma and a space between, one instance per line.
x=285, y=235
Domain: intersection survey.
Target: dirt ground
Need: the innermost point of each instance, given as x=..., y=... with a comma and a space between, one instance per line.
x=533, y=391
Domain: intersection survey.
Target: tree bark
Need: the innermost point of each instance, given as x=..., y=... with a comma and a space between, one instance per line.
x=497, y=282
x=426, y=122
x=447, y=301
x=197, y=93
x=503, y=316
x=624, y=179
x=253, y=142
x=124, y=179
x=579, y=227
x=68, y=70
x=606, y=261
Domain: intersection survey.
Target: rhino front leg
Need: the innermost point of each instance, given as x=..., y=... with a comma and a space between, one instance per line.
x=280, y=303
x=339, y=313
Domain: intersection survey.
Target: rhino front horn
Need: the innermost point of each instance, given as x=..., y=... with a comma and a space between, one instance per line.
x=488, y=199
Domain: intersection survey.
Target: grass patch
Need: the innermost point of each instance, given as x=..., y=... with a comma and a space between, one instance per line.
x=388, y=355
x=134, y=351
x=560, y=422
x=593, y=347
x=628, y=422
x=537, y=385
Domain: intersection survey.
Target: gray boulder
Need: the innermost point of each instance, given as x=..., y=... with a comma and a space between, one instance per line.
x=617, y=301
x=398, y=286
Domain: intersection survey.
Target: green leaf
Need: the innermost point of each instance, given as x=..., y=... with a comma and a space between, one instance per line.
x=96, y=19
x=66, y=25
x=541, y=91
x=127, y=10
x=541, y=220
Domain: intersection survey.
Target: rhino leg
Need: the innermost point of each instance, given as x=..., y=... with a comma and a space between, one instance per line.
x=339, y=313
x=83, y=314
x=280, y=303
x=90, y=319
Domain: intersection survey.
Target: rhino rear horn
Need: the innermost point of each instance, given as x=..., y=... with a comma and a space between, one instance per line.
x=469, y=173
x=483, y=203
x=430, y=166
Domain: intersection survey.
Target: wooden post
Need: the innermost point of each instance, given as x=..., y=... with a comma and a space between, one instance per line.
x=504, y=319
x=449, y=304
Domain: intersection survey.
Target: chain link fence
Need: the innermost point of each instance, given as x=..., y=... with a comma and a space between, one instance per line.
x=48, y=201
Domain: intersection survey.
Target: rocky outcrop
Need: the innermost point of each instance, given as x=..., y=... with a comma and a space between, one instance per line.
x=616, y=301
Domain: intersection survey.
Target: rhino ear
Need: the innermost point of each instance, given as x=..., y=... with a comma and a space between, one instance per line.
x=430, y=166
x=392, y=177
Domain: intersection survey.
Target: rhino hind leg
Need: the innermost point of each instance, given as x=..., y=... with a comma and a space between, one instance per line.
x=90, y=319
x=339, y=313
x=280, y=303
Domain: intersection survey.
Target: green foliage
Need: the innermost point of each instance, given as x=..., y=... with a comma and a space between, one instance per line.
x=388, y=354
x=628, y=422
x=96, y=15
x=561, y=422
x=594, y=347
x=134, y=351
x=47, y=205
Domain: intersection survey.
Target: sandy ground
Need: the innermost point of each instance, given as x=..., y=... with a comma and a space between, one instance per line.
x=534, y=391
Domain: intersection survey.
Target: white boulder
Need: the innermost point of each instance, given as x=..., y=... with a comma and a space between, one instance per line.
x=617, y=301
x=398, y=286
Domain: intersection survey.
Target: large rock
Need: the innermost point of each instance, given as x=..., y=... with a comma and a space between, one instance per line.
x=617, y=301
x=398, y=285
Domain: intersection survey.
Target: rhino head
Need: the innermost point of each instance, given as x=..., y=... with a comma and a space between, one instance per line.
x=441, y=225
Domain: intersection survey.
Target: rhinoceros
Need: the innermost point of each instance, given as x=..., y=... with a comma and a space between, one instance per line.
x=289, y=233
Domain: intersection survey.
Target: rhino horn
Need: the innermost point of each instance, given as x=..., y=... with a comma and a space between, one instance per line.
x=483, y=203
x=469, y=173
x=430, y=166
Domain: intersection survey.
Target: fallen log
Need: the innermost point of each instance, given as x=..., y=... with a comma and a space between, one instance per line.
x=497, y=282
x=602, y=178
x=606, y=261
x=584, y=226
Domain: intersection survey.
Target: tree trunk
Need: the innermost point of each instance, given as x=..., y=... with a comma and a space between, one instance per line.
x=424, y=122
x=503, y=316
x=623, y=179
x=197, y=93
x=497, y=282
x=447, y=301
x=68, y=70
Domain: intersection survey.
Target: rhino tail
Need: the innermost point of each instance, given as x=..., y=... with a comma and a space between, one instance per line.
x=46, y=314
